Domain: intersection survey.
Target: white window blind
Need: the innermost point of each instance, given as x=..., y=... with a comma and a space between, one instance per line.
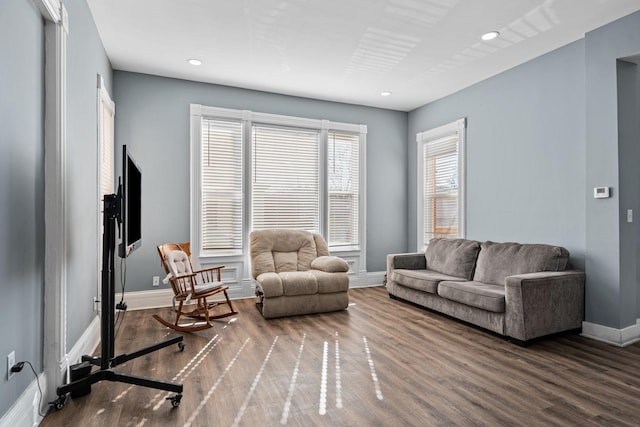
x=441, y=188
x=221, y=169
x=285, y=180
x=441, y=192
x=106, y=112
x=343, y=179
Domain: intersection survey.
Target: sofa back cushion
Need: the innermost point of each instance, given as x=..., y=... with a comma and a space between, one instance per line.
x=497, y=261
x=278, y=250
x=454, y=257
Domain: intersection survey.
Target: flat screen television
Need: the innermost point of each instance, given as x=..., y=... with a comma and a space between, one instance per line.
x=131, y=205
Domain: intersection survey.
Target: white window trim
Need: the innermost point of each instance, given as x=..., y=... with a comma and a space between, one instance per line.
x=55, y=359
x=459, y=127
x=248, y=118
x=103, y=99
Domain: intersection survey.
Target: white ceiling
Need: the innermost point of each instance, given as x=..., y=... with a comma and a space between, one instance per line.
x=343, y=50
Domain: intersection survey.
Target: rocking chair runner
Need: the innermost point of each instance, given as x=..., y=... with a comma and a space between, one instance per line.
x=191, y=285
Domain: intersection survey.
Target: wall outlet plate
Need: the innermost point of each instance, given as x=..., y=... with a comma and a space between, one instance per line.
x=11, y=360
x=156, y=281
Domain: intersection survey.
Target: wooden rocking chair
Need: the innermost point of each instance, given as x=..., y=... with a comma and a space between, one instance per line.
x=189, y=285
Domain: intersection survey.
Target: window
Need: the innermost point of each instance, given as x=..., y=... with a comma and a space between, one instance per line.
x=257, y=171
x=106, y=113
x=105, y=119
x=286, y=185
x=441, y=183
x=344, y=182
x=221, y=168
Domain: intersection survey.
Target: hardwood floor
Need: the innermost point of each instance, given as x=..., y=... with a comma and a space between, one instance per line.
x=380, y=363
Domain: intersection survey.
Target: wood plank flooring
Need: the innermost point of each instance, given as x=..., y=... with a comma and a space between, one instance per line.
x=380, y=363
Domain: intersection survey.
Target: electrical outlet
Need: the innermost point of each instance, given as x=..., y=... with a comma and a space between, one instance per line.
x=156, y=281
x=11, y=360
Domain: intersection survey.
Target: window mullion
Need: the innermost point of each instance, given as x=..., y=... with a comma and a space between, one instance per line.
x=247, y=145
x=323, y=177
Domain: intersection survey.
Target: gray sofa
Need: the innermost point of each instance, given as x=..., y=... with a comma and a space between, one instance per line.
x=522, y=291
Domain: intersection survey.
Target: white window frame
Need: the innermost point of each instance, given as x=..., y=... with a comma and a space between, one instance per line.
x=55, y=358
x=248, y=118
x=422, y=138
x=104, y=101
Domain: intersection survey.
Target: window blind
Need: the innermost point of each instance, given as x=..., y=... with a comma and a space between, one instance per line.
x=107, y=148
x=440, y=189
x=343, y=180
x=221, y=168
x=285, y=192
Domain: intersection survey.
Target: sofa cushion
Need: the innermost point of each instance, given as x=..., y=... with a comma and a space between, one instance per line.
x=281, y=250
x=331, y=282
x=285, y=261
x=453, y=257
x=421, y=280
x=497, y=261
x=287, y=283
x=298, y=283
x=476, y=294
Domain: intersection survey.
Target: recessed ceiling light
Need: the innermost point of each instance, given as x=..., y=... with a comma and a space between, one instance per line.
x=490, y=35
x=385, y=93
x=194, y=61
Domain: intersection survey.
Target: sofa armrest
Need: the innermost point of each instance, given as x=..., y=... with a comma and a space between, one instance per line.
x=412, y=261
x=544, y=303
x=330, y=264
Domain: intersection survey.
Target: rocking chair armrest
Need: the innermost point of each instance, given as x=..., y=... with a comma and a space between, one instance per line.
x=182, y=276
x=204, y=270
x=211, y=274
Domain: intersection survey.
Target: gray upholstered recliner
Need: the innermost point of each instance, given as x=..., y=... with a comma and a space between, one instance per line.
x=295, y=275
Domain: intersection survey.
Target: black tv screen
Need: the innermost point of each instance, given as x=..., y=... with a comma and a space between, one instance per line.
x=131, y=203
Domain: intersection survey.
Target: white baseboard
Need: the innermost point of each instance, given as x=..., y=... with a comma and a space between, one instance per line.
x=86, y=344
x=375, y=278
x=619, y=337
x=24, y=412
x=141, y=300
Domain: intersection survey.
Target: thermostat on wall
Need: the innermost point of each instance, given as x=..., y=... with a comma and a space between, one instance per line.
x=600, y=192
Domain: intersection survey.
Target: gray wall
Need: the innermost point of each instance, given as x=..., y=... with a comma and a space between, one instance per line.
x=611, y=293
x=629, y=180
x=21, y=191
x=152, y=118
x=540, y=137
x=22, y=85
x=86, y=58
x=525, y=152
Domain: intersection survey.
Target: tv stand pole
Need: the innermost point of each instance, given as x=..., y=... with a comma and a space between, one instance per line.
x=107, y=361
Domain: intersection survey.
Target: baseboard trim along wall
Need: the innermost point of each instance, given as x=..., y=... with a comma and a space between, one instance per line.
x=619, y=337
x=24, y=411
x=142, y=300
x=86, y=344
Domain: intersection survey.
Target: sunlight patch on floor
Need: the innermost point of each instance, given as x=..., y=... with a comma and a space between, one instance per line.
x=243, y=408
x=204, y=401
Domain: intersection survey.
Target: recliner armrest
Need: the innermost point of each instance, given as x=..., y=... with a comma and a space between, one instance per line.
x=330, y=264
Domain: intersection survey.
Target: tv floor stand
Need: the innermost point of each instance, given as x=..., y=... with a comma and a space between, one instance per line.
x=107, y=361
